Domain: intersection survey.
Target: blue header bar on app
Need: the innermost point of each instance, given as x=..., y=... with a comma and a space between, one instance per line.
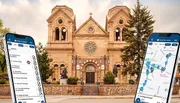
x=166, y=44
x=26, y=40
x=156, y=38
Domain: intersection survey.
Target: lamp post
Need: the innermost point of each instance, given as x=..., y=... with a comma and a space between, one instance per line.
x=75, y=61
x=106, y=60
x=105, y=64
x=101, y=58
x=121, y=65
x=100, y=61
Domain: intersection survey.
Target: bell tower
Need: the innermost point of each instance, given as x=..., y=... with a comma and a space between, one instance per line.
x=61, y=26
x=116, y=19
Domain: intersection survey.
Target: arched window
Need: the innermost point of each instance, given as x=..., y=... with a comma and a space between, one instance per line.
x=63, y=32
x=55, y=65
x=62, y=65
x=90, y=68
x=118, y=66
x=57, y=34
x=123, y=35
x=117, y=34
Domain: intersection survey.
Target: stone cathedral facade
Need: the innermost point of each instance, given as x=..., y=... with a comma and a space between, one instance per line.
x=89, y=51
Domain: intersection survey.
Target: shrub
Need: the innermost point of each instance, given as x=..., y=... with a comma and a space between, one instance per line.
x=58, y=82
x=4, y=78
x=109, y=78
x=72, y=80
x=2, y=81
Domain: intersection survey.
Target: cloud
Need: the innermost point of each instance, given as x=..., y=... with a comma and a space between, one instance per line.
x=29, y=16
x=25, y=18
x=167, y=17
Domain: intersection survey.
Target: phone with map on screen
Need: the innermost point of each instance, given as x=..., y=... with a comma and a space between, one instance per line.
x=159, y=69
x=23, y=69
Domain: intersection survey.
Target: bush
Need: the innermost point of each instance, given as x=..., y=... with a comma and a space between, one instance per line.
x=72, y=80
x=131, y=81
x=109, y=78
x=4, y=78
x=2, y=81
x=58, y=82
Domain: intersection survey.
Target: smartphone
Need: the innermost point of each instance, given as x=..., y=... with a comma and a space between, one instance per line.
x=159, y=69
x=23, y=69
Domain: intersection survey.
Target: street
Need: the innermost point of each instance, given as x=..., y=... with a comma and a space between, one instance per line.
x=79, y=99
x=105, y=101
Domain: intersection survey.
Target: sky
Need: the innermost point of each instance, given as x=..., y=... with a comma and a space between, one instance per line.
x=29, y=16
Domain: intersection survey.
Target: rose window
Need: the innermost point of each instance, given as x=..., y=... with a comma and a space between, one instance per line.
x=90, y=47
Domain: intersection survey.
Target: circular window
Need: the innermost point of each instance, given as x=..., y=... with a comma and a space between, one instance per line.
x=121, y=21
x=60, y=21
x=90, y=47
x=91, y=29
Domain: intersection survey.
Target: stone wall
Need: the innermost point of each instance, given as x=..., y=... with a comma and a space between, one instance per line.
x=5, y=90
x=176, y=89
x=49, y=89
x=107, y=90
x=62, y=90
x=103, y=90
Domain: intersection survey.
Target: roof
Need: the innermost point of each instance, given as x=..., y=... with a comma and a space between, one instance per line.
x=90, y=18
x=60, y=9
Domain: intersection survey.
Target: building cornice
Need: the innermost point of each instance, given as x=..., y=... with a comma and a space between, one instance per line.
x=118, y=42
x=89, y=35
x=113, y=49
x=59, y=42
x=63, y=49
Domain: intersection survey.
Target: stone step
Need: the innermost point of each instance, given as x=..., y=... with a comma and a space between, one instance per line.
x=90, y=90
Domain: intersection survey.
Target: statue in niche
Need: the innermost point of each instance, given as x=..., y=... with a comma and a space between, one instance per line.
x=64, y=73
x=115, y=70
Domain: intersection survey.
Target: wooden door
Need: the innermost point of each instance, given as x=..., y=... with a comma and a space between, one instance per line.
x=90, y=77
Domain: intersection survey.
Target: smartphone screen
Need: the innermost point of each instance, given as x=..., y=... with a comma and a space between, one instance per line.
x=158, y=69
x=24, y=69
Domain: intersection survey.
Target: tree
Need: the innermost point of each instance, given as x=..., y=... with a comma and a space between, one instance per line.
x=2, y=61
x=136, y=33
x=3, y=31
x=44, y=62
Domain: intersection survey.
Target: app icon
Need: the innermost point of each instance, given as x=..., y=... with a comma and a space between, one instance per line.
x=28, y=62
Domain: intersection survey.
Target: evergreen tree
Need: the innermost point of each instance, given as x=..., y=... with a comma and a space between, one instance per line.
x=44, y=62
x=2, y=61
x=3, y=31
x=137, y=31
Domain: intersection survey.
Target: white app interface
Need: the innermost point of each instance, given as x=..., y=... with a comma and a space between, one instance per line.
x=157, y=72
x=25, y=73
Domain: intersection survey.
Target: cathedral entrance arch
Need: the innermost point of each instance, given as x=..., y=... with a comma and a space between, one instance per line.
x=90, y=73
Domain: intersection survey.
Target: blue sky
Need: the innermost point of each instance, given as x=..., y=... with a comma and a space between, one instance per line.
x=29, y=16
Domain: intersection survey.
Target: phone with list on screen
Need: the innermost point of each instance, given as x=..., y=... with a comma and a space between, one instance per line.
x=23, y=69
x=159, y=69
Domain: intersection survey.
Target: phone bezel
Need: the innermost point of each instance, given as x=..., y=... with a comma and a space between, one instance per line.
x=9, y=63
x=174, y=68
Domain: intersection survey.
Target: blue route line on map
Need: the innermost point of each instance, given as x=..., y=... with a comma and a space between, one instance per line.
x=151, y=67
